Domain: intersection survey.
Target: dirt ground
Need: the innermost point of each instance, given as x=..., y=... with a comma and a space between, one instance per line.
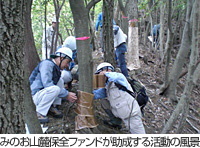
x=156, y=113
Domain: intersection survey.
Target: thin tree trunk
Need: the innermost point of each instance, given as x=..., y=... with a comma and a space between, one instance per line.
x=185, y=99
x=161, y=34
x=108, y=41
x=192, y=66
x=168, y=44
x=31, y=59
x=170, y=88
x=124, y=13
x=133, y=41
x=147, y=28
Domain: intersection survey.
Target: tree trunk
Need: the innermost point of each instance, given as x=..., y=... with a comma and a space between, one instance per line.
x=192, y=66
x=31, y=59
x=170, y=89
x=84, y=52
x=161, y=34
x=150, y=4
x=108, y=41
x=30, y=110
x=184, y=102
x=12, y=35
x=124, y=14
x=168, y=45
x=133, y=41
x=31, y=56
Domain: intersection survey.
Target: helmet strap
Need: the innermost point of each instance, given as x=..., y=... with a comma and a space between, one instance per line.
x=62, y=59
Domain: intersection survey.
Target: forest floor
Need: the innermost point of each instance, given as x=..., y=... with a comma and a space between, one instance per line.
x=157, y=111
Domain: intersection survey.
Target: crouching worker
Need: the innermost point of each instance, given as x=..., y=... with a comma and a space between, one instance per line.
x=47, y=85
x=118, y=104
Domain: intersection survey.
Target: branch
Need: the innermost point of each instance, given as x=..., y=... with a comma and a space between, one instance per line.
x=186, y=71
x=122, y=8
x=196, y=129
x=91, y=4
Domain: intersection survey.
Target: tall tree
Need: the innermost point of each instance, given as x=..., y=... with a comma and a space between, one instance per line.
x=108, y=41
x=169, y=43
x=31, y=59
x=124, y=24
x=133, y=38
x=170, y=88
x=183, y=105
x=80, y=16
x=12, y=34
x=161, y=34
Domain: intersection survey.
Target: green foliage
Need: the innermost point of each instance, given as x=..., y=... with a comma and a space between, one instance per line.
x=66, y=25
x=38, y=20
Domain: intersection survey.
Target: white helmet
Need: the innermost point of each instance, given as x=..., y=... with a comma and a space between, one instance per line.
x=70, y=42
x=63, y=52
x=102, y=65
x=66, y=76
x=54, y=20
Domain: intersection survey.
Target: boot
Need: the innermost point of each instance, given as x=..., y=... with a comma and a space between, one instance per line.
x=114, y=121
x=84, y=109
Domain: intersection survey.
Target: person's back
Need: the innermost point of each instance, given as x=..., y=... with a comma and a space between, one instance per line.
x=43, y=74
x=121, y=104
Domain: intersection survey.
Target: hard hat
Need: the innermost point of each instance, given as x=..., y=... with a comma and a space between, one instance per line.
x=63, y=52
x=104, y=65
x=54, y=20
x=66, y=76
x=70, y=42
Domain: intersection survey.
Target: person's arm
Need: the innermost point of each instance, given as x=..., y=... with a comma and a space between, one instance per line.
x=99, y=93
x=115, y=29
x=117, y=78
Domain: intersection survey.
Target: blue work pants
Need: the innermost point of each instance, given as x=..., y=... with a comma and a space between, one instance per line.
x=120, y=53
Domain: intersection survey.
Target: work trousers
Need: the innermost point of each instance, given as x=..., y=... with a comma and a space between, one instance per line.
x=120, y=53
x=46, y=97
x=124, y=106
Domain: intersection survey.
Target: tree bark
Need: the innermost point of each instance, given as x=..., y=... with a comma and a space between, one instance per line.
x=31, y=59
x=80, y=17
x=161, y=34
x=184, y=102
x=168, y=45
x=124, y=14
x=31, y=56
x=108, y=41
x=170, y=89
x=133, y=41
x=192, y=66
x=12, y=35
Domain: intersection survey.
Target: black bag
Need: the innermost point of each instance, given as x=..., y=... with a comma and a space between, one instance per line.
x=139, y=92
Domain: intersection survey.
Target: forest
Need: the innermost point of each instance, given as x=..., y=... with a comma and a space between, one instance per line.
x=167, y=63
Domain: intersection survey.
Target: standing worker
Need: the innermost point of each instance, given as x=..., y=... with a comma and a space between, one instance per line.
x=49, y=36
x=121, y=48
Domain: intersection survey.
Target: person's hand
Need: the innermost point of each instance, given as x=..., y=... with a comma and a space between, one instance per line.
x=71, y=97
x=102, y=72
